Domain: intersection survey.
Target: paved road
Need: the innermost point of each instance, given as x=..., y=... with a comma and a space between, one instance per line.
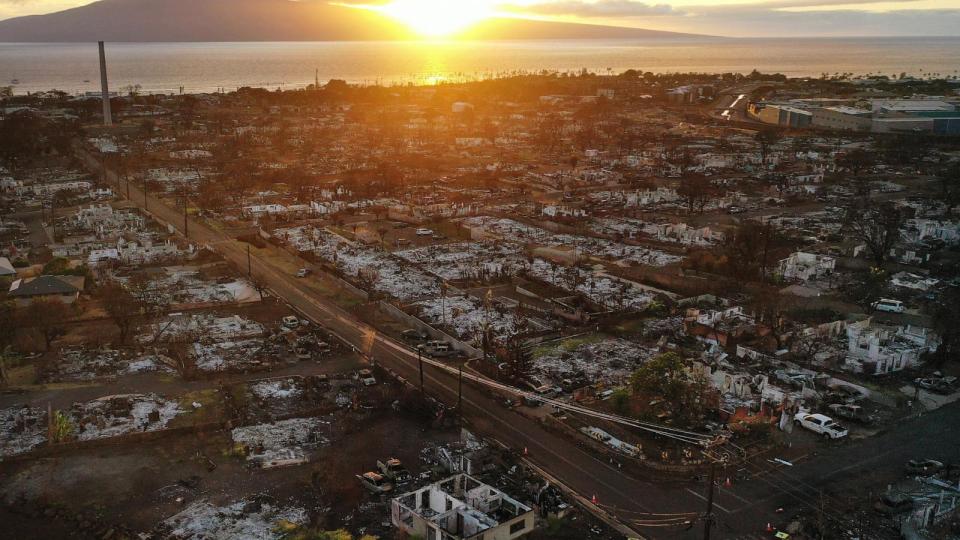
x=743, y=509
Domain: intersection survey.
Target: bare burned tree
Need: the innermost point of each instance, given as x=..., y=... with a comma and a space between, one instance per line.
x=259, y=284
x=180, y=356
x=48, y=318
x=518, y=359
x=121, y=306
x=949, y=180
x=696, y=191
x=766, y=138
x=876, y=225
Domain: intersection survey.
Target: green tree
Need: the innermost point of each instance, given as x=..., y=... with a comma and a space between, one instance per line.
x=61, y=427
x=663, y=375
x=620, y=401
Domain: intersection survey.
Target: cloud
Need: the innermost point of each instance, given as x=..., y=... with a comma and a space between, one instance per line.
x=601, y=8
x=761, y=21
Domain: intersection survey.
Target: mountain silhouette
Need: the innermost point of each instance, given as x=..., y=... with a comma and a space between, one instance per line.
x=265, y=20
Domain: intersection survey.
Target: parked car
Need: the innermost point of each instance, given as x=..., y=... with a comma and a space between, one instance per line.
x=375, y=482
x=851, y=412
x=888, y=305
x=291, y=321
x=891, y=504
x=365, y=376
x=940, y=385
x=303, y=272
x=394, y=471
x=424, y=232
x=924, y=467
x=414, y=335
x=822, y=424
x=436, y=348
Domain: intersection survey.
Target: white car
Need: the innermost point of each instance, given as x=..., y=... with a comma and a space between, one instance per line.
x=889, y=306
x=424, y=232
x=303, y=272
x=291, y=321
x=822, y=424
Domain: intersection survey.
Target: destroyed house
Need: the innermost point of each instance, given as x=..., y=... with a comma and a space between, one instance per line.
x=874, y=349
x=461, y=508
x=806, y=266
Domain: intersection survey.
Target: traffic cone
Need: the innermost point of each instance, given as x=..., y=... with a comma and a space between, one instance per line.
x=594, y=500
x=769, y=527
x=728, y=483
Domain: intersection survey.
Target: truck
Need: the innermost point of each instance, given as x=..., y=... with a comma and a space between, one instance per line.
x=375, y=482
x=436, y=349
x=821, y=424
x=394, y=471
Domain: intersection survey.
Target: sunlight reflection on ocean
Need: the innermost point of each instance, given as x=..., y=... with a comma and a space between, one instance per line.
x=204, y=67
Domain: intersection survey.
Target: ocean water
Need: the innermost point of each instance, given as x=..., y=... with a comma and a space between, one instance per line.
x=205, y=67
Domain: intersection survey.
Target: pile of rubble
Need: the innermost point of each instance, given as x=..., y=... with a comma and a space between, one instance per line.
x=383, y=272
x=21, y=429
x=281, y=443
x=91, y=364
x=601, y=289
x=468, y=317
x=231, y=356
x=466, y=260
x=243, y=519
x=610, y=361
x=202, y=327
x=116, y=415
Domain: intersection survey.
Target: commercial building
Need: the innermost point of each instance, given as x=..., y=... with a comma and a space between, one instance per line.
x=461, y=508
x=843, y=118
x=781, y=115
x=902, y=124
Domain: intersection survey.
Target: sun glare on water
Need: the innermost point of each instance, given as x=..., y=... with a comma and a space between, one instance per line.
x=438, y=18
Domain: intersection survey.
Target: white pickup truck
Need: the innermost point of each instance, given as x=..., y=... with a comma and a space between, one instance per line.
x=818, y=423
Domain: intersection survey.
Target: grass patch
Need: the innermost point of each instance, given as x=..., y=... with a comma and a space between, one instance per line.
x=566, y=345
x=211, y=408
x=633, y=326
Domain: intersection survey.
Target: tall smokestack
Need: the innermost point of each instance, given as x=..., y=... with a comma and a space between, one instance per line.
x=104, y=89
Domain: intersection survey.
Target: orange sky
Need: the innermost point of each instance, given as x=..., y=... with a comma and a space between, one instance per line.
x=718, y=17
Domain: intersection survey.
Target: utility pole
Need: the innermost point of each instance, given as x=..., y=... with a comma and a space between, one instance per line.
x=708, y=518
x=420, y=362
x=460, y=396
x=125, y=176
x=820, y=516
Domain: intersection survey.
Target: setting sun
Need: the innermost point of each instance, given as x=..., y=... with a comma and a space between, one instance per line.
x=436, y=18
